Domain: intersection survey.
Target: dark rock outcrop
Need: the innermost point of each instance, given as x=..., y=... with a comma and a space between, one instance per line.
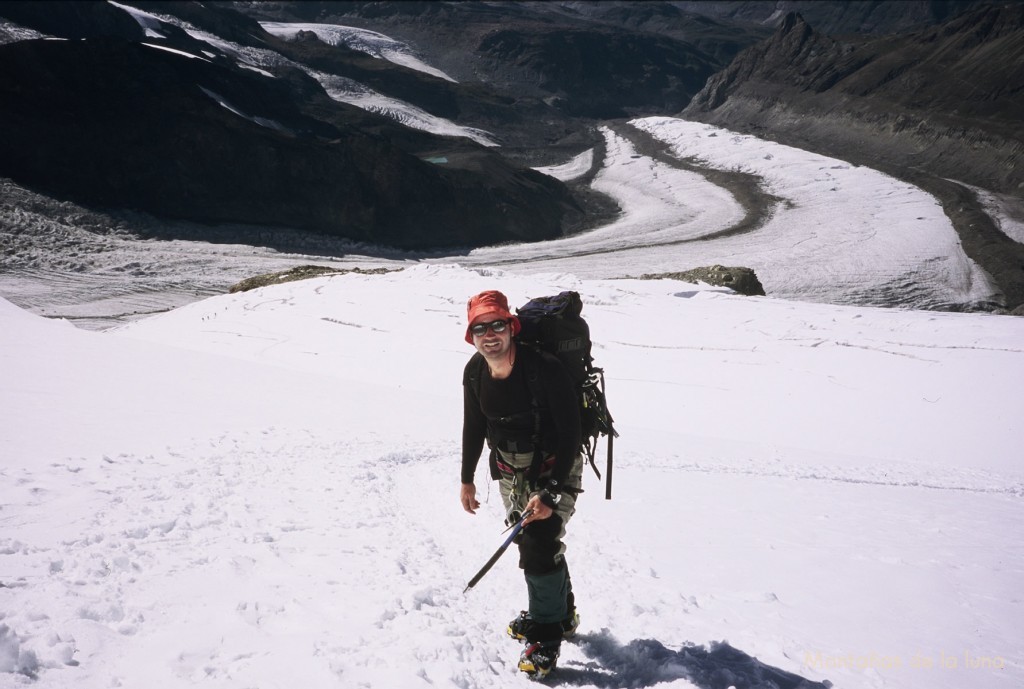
x=740, y=280
x=301, y=273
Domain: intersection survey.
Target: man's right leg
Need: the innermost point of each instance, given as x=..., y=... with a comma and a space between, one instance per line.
x=520, y=627
x=547, y=584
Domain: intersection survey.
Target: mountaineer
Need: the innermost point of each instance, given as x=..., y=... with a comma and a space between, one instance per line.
x=522, y=402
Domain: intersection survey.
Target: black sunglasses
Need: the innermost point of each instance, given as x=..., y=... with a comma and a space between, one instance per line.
x=480, y=329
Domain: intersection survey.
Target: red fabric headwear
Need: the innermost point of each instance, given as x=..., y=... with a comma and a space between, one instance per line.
x=491, y=301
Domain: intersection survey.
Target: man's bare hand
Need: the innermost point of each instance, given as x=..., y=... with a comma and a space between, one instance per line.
x=468, y=498
x=538, y=510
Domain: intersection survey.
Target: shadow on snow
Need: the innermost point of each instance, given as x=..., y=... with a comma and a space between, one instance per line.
x=646, y=662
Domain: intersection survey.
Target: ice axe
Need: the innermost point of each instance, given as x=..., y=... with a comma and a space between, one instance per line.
x=515, y=529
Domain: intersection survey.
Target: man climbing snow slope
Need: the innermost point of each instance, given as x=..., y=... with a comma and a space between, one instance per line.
x=523, y=403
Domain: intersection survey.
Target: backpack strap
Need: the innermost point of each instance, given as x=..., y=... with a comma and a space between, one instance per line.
x=532, y=363
x=473, y=372
x=537, y=395
x=473, y=378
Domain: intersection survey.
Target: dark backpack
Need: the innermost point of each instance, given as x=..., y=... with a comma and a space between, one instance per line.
x=554, y=325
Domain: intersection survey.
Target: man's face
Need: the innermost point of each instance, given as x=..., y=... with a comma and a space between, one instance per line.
x=491, y=344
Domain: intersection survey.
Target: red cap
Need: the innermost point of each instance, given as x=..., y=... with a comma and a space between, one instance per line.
x=491, y=301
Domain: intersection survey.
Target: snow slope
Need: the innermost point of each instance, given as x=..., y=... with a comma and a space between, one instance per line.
x=260, y=489
x=370, y=42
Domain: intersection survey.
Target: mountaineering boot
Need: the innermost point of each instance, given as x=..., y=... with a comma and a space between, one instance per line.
x=539, y=658
x=521, y=627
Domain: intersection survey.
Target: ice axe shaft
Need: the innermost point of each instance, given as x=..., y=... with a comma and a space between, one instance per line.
x=516, y=528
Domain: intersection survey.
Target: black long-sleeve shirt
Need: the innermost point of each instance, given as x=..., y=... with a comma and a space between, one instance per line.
x=503, y=410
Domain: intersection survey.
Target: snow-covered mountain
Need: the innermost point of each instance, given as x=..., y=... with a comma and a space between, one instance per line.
x=372, y=129
x=260, y=489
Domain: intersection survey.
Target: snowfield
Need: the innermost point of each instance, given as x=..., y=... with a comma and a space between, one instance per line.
x=261, y=490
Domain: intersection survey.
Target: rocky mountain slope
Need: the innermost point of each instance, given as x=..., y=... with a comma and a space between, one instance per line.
x=939, y=104
x=949, y=98
x=838, y=18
